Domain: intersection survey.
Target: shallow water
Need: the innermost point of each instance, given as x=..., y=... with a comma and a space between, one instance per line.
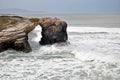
x=93, y=54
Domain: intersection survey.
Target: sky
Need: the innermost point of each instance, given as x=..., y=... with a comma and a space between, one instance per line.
x=64, y=6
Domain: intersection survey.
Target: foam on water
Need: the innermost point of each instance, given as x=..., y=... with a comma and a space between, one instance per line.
x=95, y=43
x=92, y=29
x=93, y=54
x=37, y=33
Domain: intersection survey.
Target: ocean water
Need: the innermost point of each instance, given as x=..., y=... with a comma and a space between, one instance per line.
x=92, y=52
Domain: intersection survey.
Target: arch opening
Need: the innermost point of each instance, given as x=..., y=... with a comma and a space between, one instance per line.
x=34, y=37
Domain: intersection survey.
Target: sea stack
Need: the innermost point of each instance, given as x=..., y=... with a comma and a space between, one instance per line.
x=53, y=31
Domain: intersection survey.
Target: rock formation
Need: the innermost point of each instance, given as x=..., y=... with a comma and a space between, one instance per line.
x=14, y=32
x=53, y=31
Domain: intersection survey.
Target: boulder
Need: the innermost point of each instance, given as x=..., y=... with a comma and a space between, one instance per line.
x=53, y=31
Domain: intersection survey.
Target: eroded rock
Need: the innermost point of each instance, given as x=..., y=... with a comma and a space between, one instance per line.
x=53, y=31
x=22, y=44
x=14, y=32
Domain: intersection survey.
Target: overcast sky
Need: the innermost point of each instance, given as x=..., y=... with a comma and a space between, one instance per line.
x=64, y=6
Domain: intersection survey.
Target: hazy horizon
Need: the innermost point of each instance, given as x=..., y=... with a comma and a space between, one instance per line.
x=64, y=6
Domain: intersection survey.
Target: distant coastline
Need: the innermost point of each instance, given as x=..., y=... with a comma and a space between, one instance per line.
x=18, y=11
x=108, y=20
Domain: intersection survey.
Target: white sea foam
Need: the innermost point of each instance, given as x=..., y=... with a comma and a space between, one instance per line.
x=93, y=54
x=37, y=33
x=88, y=47
x=92, y=29
x=102, y=44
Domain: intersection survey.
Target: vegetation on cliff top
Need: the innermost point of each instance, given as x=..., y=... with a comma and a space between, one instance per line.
x=34, y=20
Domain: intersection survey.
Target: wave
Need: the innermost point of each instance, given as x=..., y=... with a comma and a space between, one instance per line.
x=87, y=43
x=93, y=54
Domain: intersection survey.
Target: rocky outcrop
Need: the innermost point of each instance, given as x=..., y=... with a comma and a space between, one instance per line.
x=14, y=32
x=53, y=31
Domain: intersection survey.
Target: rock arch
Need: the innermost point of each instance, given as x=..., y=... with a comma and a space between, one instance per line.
x=14, y=32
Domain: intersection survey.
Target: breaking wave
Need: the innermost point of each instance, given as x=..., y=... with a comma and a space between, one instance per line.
x=93, y=54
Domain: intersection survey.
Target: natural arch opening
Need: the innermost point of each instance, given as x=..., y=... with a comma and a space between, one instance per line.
x=34, y=37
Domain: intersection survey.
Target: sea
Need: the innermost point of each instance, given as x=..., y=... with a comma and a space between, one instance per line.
x=92, y=52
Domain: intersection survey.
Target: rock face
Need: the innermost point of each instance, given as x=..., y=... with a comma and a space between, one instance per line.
x=53, y=31
x=14, y=32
